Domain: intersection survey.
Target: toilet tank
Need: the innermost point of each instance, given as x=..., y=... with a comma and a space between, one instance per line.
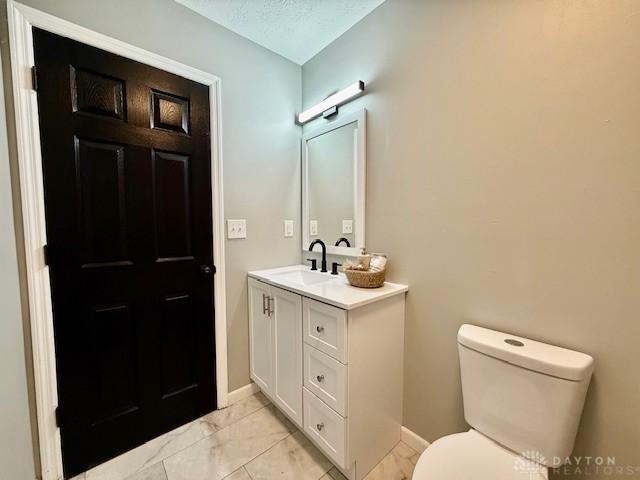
x=526, y=395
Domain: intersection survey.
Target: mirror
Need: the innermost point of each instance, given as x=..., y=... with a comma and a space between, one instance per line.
x=333, y=185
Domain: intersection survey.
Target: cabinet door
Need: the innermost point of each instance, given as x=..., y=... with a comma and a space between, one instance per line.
x=287, y=325
x=260, y=336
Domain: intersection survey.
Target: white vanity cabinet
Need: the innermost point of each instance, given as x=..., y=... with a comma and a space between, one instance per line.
x=275, y=326
x=260, y=336
x=330, y=356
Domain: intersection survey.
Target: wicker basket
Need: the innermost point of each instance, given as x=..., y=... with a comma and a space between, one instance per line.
x=365, y=279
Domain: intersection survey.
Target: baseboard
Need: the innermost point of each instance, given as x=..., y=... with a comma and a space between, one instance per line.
x=414, y=440
x=242, y=393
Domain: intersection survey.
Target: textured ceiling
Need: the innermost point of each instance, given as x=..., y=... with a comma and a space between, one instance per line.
x=296, y=29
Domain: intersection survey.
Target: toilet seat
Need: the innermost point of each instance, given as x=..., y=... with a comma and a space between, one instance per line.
x=472, y=456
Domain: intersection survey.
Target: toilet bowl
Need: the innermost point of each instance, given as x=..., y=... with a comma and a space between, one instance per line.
x=472, y=456
x=523, y=400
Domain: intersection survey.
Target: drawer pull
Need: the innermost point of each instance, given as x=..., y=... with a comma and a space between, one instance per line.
x=265, y=308
x=320, y=426
x=320, y=378
x=319, y=329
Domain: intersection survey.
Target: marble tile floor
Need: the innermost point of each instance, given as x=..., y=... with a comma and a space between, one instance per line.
x=250, y=440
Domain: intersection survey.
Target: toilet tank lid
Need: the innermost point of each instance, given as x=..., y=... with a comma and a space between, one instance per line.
x=523, y=352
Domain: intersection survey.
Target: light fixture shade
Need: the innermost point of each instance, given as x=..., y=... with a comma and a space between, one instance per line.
x=335, y=100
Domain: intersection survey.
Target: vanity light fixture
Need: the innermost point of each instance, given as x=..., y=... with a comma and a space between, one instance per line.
x=332, y=101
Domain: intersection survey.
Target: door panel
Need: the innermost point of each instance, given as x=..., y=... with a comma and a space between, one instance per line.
x=171, y=188
x=287, y=325
x=169, y=112
x=178, y=341
x=97, y=94
x=127, y=181
x=261, y=336
x=113, y=355
x=102, y=200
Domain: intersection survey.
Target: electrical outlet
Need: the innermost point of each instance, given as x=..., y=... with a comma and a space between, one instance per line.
x=313, y=227
x=236, y=229
x=288, y=228
x=347, y=226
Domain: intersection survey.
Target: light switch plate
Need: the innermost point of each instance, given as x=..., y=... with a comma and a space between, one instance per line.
x=288, y=228
x=236, y=229
x=347, y=226
x=313, y=227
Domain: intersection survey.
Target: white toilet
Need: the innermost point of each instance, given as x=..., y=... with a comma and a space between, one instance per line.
x=523, y=399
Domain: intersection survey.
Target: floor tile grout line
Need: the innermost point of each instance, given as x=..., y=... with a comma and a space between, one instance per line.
x=325, y=473
x=247, y=472
x=234, y=422
x=191, y=424
x=250, y=460
x=280, y=441
x=236, y=471
x=166, y=475
x=385, y=457
x=265, y=451
x=292, y=430
x=195, y=424
x=146, y=464
x=204, y=437
x=330, y=462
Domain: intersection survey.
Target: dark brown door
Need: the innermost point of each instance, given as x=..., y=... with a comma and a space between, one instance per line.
x=127, y=177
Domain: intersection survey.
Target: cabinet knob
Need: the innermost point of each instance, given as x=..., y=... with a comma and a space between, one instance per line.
x=319, y=329
x=320, y=378
x=320, y=426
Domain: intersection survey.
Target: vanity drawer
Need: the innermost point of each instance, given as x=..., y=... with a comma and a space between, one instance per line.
x=325, y=328
x=327, y=378
x=326, y=428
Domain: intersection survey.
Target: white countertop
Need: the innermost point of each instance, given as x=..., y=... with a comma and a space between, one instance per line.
x=335, y=291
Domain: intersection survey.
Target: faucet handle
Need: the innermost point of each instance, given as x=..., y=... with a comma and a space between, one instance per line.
x=334, y=268
x=314, y=263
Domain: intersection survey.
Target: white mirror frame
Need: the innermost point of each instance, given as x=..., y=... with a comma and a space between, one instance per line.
x=360, y=161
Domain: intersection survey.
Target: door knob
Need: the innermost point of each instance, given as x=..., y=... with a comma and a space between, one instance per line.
x=206, y=270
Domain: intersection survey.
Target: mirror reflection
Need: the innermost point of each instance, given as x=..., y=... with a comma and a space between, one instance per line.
x=331, y=186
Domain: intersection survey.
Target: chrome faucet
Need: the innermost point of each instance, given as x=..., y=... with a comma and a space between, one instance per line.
x=324, y=253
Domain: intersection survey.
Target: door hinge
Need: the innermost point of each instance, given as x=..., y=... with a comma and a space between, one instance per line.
x=58, y=419
x=45, y=254
x=34, y=78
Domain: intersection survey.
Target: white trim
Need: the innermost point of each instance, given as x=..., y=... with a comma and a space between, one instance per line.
x=242, y=393
x=21, y=19
x=414, y=440
x=360, y=170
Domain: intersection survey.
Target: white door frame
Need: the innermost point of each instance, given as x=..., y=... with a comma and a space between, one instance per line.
x=21, y=21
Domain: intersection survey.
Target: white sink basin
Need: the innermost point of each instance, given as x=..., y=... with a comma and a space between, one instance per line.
x=303, y=277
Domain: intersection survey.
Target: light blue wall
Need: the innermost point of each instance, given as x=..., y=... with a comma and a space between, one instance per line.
x=16, y=452
x=502, y=182
x=261, y=92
